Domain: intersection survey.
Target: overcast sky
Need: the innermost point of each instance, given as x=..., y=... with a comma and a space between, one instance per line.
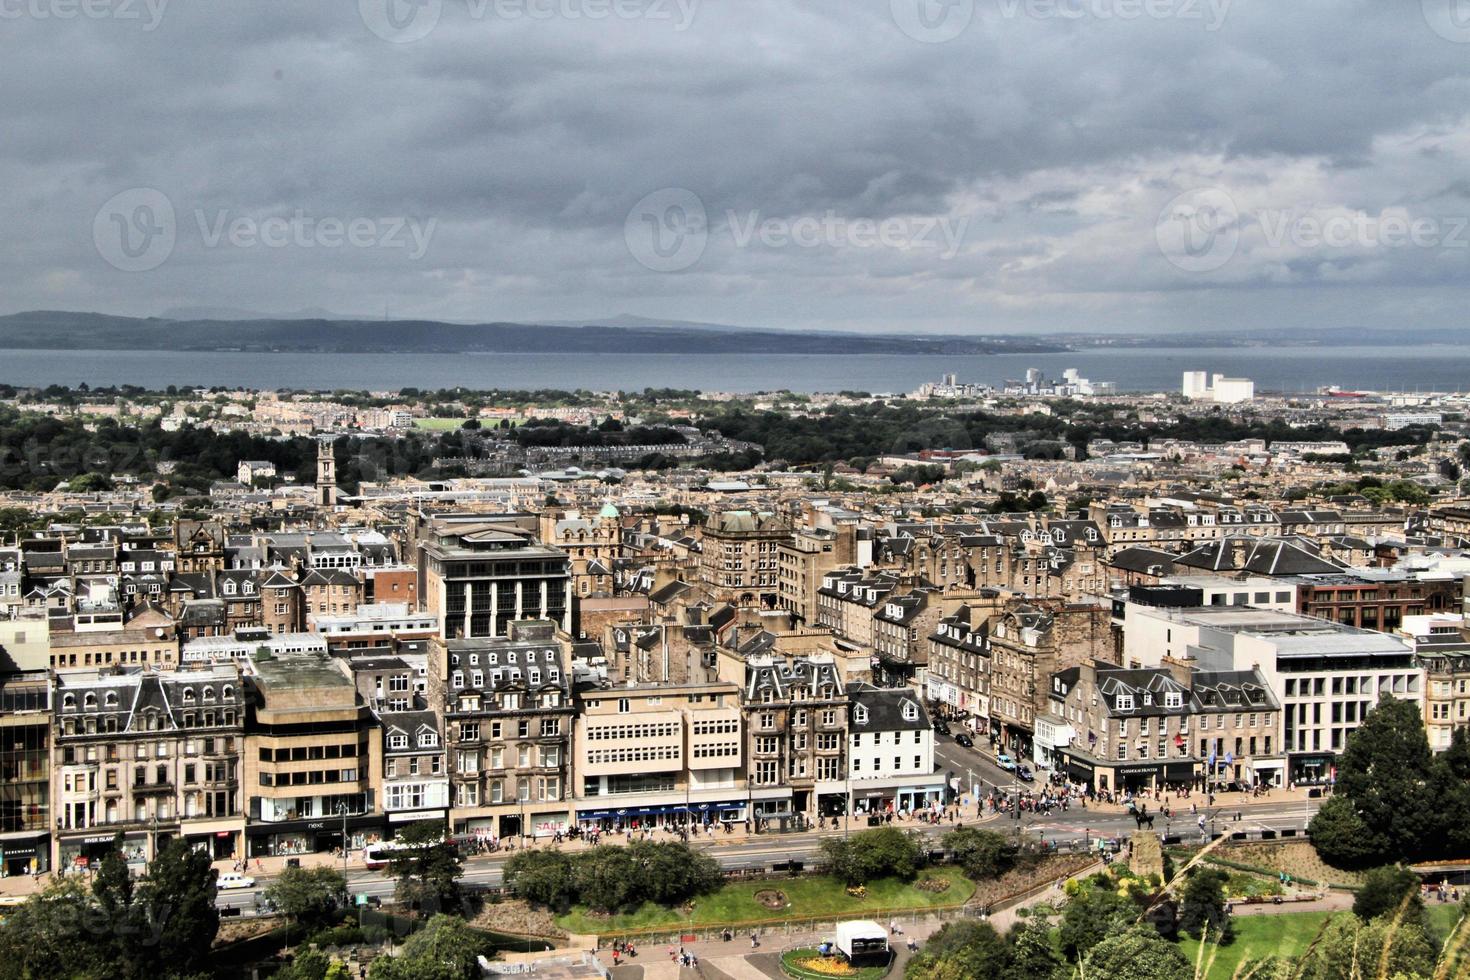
x=905, y=165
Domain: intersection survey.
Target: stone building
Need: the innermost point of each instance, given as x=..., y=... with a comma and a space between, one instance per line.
x=508, y=717
x=151, y=756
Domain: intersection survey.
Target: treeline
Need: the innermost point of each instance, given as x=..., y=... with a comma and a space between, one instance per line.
x=554, y=433
x=860, y=433
x=613, y=878
x=39, y=453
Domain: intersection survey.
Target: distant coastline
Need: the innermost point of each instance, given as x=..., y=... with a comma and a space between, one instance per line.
x=1281, y=369
x=51, y=330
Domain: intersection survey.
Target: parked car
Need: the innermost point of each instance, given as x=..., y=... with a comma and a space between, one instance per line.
x=234, y=879
x=941, y=726
x=965, y=740
x=1025, y=774
x=1006, y=762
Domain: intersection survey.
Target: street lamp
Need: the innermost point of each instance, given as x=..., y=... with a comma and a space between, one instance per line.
x=342, y=810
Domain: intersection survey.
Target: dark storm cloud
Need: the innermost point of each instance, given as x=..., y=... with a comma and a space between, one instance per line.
x=829, y=146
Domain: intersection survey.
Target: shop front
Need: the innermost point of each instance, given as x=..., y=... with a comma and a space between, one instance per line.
x=1052, y=735
x=220, y=839
x=832, y=798
x=1133, y=778
x=1180, y=772
x=1310, y=770
x=288, y=838
x=85, y=852
x=1268, y=772
x=549, y=824
x=1077, y=769
x=611, y=818
x=897, y=794
x=25, y=854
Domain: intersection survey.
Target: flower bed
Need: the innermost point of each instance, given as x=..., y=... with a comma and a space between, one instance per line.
x=810, y=964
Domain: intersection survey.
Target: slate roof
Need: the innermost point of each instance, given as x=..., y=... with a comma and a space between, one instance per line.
x=877, y=709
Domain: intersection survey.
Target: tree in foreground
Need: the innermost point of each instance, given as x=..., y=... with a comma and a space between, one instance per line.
x=981, y=853
x=445, y=949
x=160, y=926
x=1395, y=787
x=1033, y=957
x=310, y=897
x=881, y=853
x=543, y=877
x=1202, y=909
x=428, y=867
x=177, y=900
x=1349, y=947
x=962, y=948
x=1390, y=890
x=1091, y=917
x=1342, y=838
x=1137, y=954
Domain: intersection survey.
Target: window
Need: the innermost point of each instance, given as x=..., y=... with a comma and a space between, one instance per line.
x=398, y=741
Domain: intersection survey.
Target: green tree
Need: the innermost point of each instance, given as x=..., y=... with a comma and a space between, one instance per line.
x=962, y=948
x=1091, y=917
x=1033, y=956
x=1349, y=947
x=1387, y=891
x=880, y=853
x=668, y=873
x=177, y=898
x=308, y=964
x=543, y=877
x=1388, y=774
x=428, y=867
x=981, y=853
x=1202, y=908
x=310, y=897
x=1138, y=954
x=445, y=949
x=1343, y=838
x=604, y=879
x=55, y=934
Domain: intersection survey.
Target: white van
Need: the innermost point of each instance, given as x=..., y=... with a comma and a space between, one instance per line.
x=234, y=879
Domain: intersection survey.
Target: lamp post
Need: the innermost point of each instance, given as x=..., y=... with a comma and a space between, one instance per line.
x=342, y=810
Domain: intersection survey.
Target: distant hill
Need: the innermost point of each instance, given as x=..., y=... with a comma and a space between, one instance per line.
x=64, y=330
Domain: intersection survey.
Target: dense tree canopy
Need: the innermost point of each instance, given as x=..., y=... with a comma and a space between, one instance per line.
x=428, y=867
x=1394, y=799
x=610, y=878
x=1138, y=954
x=159, y=927
x=881, y=853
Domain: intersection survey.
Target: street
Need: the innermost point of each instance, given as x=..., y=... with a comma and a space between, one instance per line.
x=764, y=851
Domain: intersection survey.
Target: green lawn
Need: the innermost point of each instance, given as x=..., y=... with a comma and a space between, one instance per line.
x=808, y=895
x=438, y=425
x=1287, y=934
